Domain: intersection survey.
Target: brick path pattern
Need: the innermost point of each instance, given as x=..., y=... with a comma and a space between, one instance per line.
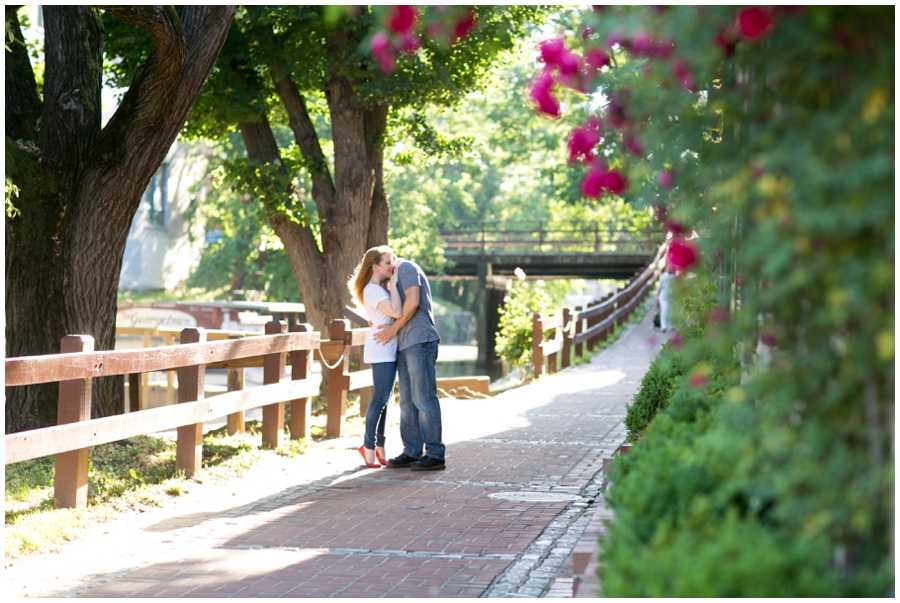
x=336, y=529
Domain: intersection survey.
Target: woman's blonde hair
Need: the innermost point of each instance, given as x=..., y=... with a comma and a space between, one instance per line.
x=363, y=273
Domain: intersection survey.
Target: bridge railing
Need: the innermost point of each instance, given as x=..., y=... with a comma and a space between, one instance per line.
x=554, y=336
x=485, y=237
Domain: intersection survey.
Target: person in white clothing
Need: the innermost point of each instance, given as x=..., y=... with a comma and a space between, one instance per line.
x=664, y=297
x=374, y=285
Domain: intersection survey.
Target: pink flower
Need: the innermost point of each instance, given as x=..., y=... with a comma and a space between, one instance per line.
x=615, y=182
x=402, y=19
x=663, y=49
x=464, y=26
x=568, y=63
x=551, y=50
x=641, y=44
x=754, y=23
x=632, y=145
x=591, y=186
x=717, y=315
x=665, y=178
x=540, y=93
x=769, y=339
x=410, y=43
x=697, y=381
x=676, y=228
x=582, y=143
x=683, y=75
x=615, y=114
x=379, y=43
x=677, y=341
x=726, y=42
x=381, y=48
x=682, y=254
x=596, y=58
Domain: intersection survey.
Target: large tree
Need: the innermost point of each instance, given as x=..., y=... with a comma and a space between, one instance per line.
x=296, y=65
x=80, y=183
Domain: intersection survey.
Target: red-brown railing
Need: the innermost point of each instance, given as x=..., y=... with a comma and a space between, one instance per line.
x=588, y=325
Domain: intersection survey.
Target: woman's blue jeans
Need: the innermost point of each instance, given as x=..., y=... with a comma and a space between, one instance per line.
x=383, y=375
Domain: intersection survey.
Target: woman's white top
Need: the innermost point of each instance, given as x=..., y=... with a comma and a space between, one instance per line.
x=373, y=351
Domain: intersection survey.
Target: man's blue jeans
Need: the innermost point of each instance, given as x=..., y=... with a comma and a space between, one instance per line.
x=383, y=374
x=420, y=411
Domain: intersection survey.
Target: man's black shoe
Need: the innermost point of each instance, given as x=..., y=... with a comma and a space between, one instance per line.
x=429, y=464
x=401, y=461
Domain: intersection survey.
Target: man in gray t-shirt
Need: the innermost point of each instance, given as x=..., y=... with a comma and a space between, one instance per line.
x=417, y=349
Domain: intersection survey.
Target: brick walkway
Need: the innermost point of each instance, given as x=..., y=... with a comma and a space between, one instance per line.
x=331, y=528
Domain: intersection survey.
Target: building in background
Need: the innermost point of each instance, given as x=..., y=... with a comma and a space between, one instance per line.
x=164, y=243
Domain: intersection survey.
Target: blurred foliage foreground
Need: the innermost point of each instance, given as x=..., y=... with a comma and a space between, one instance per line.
x=764, y=457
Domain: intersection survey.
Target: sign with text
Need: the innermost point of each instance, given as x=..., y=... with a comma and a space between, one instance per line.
x=154, y=318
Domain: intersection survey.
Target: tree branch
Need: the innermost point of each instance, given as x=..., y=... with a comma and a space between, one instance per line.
x=308, y=141
x=23, y=105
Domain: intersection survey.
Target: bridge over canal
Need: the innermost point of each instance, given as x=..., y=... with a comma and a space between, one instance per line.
x=490, y=252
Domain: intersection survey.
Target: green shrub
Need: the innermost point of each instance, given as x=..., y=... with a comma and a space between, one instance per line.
x=657, y=387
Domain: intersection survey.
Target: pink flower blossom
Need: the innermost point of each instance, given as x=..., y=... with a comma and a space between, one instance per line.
x=582, y=143
x=682, y=254
x=717, y=315
x=596, y=58
x=615, y=182
x=568, y=63
x=676, y=228
x=665, y=178
x=641, y=44
x=592, y=186
x=683, y=75
x=754, y=23
x=551, y=50
x=697, y=381
x=663, y=49
x=410, y=43
x=402, y=19
x=632, y=145
x=464, y=26
x=380, y=46
x=615, y=114
x=769, y=339
x=540, y=93
x=677, y=341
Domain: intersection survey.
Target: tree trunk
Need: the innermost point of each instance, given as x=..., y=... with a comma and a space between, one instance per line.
x=81, y=187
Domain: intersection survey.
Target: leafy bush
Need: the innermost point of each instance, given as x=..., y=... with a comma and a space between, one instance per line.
x=515, y=334
x=657, y=387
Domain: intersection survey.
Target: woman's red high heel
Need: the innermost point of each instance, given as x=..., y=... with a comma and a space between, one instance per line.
x=362, y=452
x=378, y=457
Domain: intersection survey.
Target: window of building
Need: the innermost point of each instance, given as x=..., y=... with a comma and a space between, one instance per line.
x=157, y=196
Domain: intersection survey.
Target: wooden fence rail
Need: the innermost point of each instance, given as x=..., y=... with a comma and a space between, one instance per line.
x=589, y=325
x=78, y=363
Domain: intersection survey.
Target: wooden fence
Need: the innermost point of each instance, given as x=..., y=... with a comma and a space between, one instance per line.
x=78, y=363
x=588, y=325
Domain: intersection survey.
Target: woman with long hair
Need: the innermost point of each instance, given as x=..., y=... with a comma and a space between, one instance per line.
x=374, y=285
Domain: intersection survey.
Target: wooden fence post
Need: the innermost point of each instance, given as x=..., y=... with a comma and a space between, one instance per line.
x=300, y=408
x=70, y=484
x=338, y=381
x=191, y=385
x=235, y=420
x=606, y=314
x=134, y=392
x=567, y=338
x=537, y=352
x=273, y=372
x=579, y=327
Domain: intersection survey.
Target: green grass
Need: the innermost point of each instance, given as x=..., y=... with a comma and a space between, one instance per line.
x=134, y=474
